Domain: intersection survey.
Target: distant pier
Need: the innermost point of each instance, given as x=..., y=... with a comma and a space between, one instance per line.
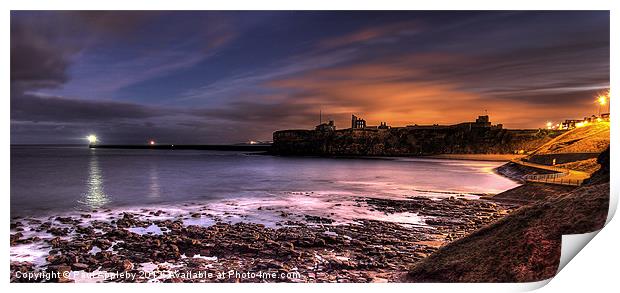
x=243, y=147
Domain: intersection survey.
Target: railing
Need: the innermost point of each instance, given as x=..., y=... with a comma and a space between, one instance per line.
x=553, y=178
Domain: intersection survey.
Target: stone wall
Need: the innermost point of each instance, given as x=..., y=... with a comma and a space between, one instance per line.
x=409, y=141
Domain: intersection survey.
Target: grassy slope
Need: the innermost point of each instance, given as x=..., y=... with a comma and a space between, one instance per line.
x=524, y=246
x=589, y=165
x=591, y=138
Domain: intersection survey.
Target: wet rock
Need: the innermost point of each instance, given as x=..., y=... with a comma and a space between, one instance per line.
x=317, y=219
x=103, y=244
x=64, y=220
x=15, y=238
x=59, y=231
x=62, y=274
x=128, y=220
x=127, y=265
x=79, y=266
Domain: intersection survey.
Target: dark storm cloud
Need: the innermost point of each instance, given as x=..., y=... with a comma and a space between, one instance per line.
x=39, y=59
x=35, y=60
x=43, y=44
x=55, y=109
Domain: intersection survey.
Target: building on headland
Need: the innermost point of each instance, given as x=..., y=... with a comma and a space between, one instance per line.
x=576, y=123
x=329, y=126
x=483, y=121
x=477, y=137
x=357, y=122
x=383, y=125
x=569, y=123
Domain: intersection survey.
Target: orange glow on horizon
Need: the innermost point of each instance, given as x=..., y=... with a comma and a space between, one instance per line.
x=398, y=94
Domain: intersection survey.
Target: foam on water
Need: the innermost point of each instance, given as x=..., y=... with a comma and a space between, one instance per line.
x=152, y=229
x=34, y=253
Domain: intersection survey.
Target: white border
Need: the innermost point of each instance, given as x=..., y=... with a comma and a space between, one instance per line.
x=595, y=267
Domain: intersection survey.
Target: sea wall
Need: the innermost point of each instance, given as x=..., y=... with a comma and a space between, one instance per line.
x=409, y=141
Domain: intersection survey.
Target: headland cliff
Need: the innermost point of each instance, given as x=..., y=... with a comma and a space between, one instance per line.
x=479, y=137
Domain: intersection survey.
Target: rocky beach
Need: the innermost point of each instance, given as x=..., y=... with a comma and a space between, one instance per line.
x=197, y=246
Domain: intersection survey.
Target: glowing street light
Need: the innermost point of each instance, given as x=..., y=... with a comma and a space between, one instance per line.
x=602, y=100
x=152, y=142
x=549, y=125
x=92, y=139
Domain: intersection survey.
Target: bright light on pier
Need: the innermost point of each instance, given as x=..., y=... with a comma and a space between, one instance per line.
x=92, y=139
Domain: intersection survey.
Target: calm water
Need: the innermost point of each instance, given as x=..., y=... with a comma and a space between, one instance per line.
x=46, y=180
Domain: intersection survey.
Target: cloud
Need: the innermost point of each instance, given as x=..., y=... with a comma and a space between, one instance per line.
x=36, y=62
x=388, y=33
x=54, y=109
x=114, y=22
x=240, y=84
x=450, y=88
x=106, y=51
x=262, y=113
x=521, y=86
x=160, y=52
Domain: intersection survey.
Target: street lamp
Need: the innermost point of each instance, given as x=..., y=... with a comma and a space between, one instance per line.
x=602, y=100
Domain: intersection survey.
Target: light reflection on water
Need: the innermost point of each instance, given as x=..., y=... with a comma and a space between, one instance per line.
x=95, y=196
x=154, y=187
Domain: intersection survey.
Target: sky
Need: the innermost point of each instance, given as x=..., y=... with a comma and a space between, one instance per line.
x=218, y=77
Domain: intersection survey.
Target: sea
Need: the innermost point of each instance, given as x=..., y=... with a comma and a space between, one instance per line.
x=50, y=180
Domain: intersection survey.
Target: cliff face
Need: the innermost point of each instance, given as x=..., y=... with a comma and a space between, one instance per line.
x=409, y=141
